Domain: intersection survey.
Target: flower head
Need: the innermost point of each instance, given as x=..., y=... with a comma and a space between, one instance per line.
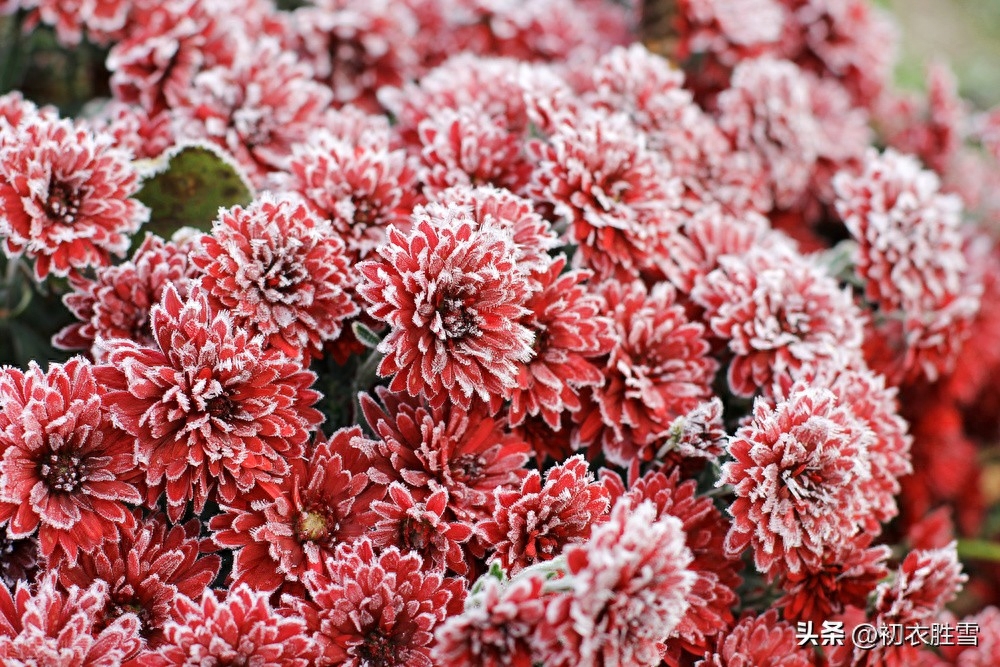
x=65, y=197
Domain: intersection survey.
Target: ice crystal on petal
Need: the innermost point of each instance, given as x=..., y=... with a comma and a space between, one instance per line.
x=65, y=470
x=65, y=196
x=453, y=296
x=212, y=408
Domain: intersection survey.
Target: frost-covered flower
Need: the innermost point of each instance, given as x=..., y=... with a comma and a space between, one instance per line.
x=357, y=182
x=778, y=312
x=143, y=134
x=65, y=196
x=758, y=640
x=421, y=527
x=453, y=296
x=145, y=568
x=467, y=452
x=210, y=407
x=658, y=370
x=619, y=199
x=65, y=470
x=257, y=108
x=240, y=628
x=798, y=471
x=72, y=18
x=325, y=501
x=713, y=591
x=570, y=336
x=497, y=630
x=379, y=609
x=116, y=303
x=43, y=625
x=280, y=271
x=629, y=588
x=535, y=522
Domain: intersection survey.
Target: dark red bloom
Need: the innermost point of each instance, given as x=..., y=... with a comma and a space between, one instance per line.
x=66, y=196
x=758, y=640
x=379, y=610
x=65, y=470
x=535, y=522
x=210, y=407
x=453, y=295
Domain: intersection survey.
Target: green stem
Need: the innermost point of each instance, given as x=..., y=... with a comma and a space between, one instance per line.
x=979, y=550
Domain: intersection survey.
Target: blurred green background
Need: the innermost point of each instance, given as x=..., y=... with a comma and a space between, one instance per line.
x=963, y=33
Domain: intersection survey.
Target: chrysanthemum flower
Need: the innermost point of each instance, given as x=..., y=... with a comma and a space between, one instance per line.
x=280, y=271
x=166, y=46
x=144, y=569
x=910, y=257
x=65, y=197
x=619, y=199
x=257, y=108
x=692, y=439
x=535, y=522
x=239, y=629
x=713, y=591
x=358, y=183
x=453, y=296
x=65, y=470
x=658, y=370
x=497, y=630
x=758, y=640
x=466, y=451
x=986, y=651
x=41, y=625
x=798, y=472
x=116, y=303
x=468, y=147
x=778, y=312
x=210, y=407
x=421, y=527
x=629, y=588
x=570, y=334
x=321, y=503
x=72, y=18
x=379, y=610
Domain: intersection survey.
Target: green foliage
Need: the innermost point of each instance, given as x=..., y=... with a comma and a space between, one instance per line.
x=186, y=186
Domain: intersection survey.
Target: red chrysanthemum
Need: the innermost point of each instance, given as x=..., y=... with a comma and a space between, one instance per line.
x=116, y=303
x=239, y=629
x=359, y=183
x=569, y=333
x=767, y=112
x=779, y=312
x=909, y=255
x=145, y=568
x=44, y=626
x=628, y=591
x=468, y=147
x=535, y=522
x=758, y=640
x=798, y=472
x=466, y=451
x=72, y=18
x=497, y=630
x=165, y=47
x=65, y=197
x=65, y=470
x=619, y=199
x=321, y=503
x=713, y=591
x=421, y=527
x=257, y=108
x=986, y=650
x=280, y=271
x=453, y=294
x=693, y=439
x=358, y=47
x=379, y=611
x=658, y=370
x=210, y=407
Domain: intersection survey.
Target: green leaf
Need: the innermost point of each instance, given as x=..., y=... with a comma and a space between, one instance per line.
x=186, y=186
x=365, y=336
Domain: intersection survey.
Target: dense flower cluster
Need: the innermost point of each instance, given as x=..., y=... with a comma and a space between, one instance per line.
x=477, y=332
